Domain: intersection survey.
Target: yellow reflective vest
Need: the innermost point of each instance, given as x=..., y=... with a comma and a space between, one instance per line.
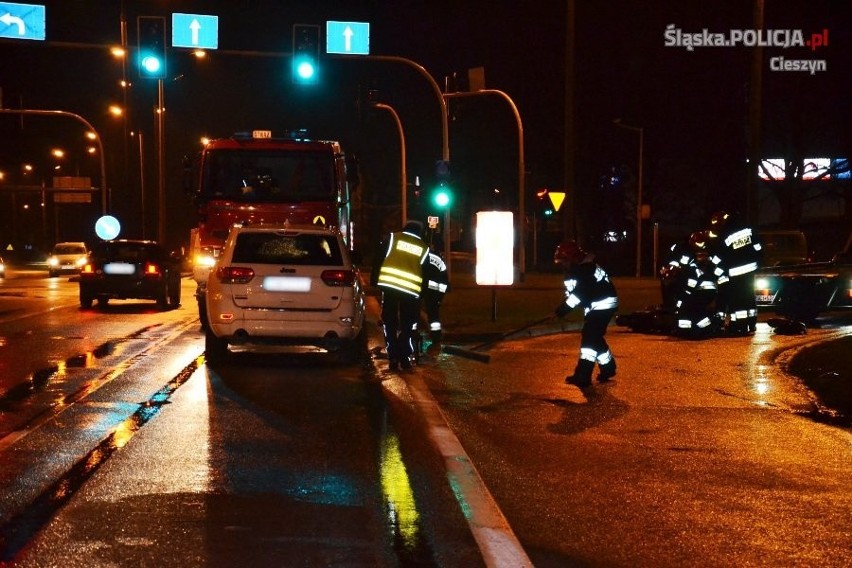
x=402, y=268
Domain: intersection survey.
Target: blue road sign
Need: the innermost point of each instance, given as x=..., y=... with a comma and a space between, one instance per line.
x=22, y=21
x=350, y=38
x=196, y=31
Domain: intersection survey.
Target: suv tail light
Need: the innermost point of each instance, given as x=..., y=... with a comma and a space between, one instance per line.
x=234, y=274
x=338, y=277
x=151, y=270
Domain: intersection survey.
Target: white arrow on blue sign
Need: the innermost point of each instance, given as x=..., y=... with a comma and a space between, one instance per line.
x=348, y=38
x=22, y=21
x=196, y=31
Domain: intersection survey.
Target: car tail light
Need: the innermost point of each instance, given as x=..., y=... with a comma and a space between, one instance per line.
x=234, y=274
x=338, y=277
x=88, y=269
x=152, y=270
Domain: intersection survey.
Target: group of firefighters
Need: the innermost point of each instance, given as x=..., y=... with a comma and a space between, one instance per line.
x=707, y=286
x=707, y=283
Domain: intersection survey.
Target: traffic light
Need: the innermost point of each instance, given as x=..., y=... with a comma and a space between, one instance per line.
x=306, y=54
x=151, y=55
x=443, y=196
x=544, y=201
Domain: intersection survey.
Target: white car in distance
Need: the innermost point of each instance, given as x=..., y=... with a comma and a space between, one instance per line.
x=285, y=285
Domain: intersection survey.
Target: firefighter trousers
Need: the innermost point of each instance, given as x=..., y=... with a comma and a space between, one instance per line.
x=593, y=346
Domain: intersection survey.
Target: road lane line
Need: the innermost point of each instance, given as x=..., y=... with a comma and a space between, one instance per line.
x=491, y=531
x=498, y=543
x=69, y=400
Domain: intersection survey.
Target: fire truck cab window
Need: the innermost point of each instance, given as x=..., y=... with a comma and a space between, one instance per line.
x=258, y=176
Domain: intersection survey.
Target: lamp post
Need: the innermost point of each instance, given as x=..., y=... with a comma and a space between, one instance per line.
x=403, y=181
x=641, y=132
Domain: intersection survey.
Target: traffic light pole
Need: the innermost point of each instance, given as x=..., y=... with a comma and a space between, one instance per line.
x=161, y=158
x=445, y=138
x=522, y=257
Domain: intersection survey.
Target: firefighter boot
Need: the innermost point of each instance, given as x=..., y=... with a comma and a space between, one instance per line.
x=435, y=347
x=582, y=376
x=607, y=371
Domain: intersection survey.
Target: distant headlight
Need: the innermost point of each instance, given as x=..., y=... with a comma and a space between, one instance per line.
x=81, y=261
x=761, y=283
x=53, y=261
x=204, y=260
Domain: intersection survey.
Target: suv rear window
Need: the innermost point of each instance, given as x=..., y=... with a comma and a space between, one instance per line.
x=127, y=252
x=273, y=248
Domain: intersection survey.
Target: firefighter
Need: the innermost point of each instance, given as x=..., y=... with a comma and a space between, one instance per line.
x=435, y=285
x=696, y=312
x=398, y=273
x=587, y=285
x=738, y=251
x=672, y=274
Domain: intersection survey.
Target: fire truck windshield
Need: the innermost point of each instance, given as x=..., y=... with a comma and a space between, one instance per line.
x=261, y=176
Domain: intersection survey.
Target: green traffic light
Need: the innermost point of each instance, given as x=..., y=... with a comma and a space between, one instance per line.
x=442, y=198
x=151, y=64
x=151, y=35
x=306, y=54
x=305, y=70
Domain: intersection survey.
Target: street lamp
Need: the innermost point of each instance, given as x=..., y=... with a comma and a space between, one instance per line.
x=403, y=181
x=641, y=132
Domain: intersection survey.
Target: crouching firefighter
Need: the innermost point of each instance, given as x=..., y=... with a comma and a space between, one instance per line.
x=435, y=285
x=588, y=285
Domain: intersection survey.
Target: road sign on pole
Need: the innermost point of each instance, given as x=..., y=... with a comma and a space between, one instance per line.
x=196, y=31
x=347, y=38
x=22, y=21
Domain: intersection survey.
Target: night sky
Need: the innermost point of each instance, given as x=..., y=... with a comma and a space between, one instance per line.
x=692, y=105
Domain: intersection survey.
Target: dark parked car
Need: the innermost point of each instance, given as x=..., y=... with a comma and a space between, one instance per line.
x=801, y=292
x=129, y=269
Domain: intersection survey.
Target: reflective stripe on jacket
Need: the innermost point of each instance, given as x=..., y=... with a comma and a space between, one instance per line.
x=435, y=274
x=588, y=285
x=402, y=267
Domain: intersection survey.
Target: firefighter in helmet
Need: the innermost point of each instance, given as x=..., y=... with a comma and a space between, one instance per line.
x=435, y=285
x=587, y=285
x=398, y=273
x=696, y=312
x=739, y=254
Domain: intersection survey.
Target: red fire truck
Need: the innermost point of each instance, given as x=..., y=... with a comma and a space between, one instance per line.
x=264, y=177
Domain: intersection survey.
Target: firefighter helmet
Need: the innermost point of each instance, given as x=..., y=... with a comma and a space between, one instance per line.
x=717, y=223
x=699, y=243
x=568, y=251
x=698, y=240
x=719, y=218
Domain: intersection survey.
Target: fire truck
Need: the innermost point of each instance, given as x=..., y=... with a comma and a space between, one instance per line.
x=264, y=177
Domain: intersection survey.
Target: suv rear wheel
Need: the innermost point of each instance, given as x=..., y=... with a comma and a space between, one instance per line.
x=215, y=348
x=351, y=350
x=174, y=294
x=163, y=296
x=86, y=299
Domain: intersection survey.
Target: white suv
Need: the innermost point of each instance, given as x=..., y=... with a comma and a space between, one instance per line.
x=287, y=285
